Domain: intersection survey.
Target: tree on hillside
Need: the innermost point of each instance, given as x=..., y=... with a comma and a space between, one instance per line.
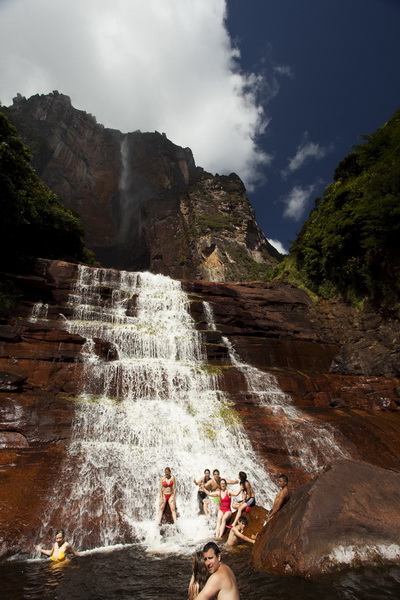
x=33, y=221
x=350, y=243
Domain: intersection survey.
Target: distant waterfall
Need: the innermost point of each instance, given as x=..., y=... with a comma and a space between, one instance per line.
x=155, y=403
x=125, y=195
x=308, y=442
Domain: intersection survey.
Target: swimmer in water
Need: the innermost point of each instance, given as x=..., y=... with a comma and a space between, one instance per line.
x=60, y=548
x=222, y=582
x=199, y=576
x=236, y=533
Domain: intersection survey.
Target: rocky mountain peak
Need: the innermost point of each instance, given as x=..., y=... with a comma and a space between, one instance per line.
x=143, y=201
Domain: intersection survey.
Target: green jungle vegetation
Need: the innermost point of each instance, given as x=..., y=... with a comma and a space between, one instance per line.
x=33, y=221
x=350, y=245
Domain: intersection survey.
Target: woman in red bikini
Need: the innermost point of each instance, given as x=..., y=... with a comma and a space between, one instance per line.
x=167, y=494
x=224, y=511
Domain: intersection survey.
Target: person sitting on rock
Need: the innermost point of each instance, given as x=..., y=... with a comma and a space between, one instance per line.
x=248, y=499
x=236, y=533
x=281, y=498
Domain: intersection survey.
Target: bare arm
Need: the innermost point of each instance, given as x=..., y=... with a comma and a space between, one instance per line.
x=203, y=489
x=211, y=589
x=72, y=550
x=173, y=486
x=278, y=502
x=43, y=551
x=242, y=536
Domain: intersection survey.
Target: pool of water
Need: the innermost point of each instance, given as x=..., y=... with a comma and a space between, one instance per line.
x=132, y=573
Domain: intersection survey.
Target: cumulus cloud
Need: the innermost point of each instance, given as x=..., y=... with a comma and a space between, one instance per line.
x=278, y=246
x=305, y=150
x=296, y=201
x=141, y=64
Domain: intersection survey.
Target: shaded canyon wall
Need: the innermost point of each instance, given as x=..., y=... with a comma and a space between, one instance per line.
x=144, y=203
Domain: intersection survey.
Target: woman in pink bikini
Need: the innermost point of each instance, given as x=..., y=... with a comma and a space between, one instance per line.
x=167, y=494
x=224, y=511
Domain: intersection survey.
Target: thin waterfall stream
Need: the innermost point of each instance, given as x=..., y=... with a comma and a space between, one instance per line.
x=309, y=443
x=148, y=402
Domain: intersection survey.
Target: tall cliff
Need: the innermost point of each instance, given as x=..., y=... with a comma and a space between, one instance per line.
x=143, y=202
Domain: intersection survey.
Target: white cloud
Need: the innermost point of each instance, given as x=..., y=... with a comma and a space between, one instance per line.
x=305, y=151
x=284, y=70
x=141, y=64
x=278, y=246
x=296, y=201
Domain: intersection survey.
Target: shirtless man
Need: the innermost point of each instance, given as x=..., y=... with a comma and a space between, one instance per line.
x=214, y=483
x=281, y=498
x=236, y=533
x=221, y=585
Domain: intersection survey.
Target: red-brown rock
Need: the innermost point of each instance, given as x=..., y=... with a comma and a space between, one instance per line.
x=350, y=514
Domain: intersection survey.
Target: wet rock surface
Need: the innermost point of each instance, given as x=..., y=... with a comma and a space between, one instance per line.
x=350, y=514
x=275, y=329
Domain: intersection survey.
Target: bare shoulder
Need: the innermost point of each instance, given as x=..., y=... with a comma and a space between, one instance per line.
x=227, y=572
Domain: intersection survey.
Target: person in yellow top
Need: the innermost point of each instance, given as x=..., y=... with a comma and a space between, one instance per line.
x=60, y=548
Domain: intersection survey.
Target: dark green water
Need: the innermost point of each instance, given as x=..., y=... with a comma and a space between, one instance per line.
x=131, y=573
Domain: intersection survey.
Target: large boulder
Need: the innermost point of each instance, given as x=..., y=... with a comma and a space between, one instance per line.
x=348, y=515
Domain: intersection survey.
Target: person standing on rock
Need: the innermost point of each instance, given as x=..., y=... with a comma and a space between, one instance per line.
x=221, y=585
x=281, y=498
x=204, y=503
x=167, y=493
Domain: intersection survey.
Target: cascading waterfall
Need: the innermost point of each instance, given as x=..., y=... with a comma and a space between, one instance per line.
x=310, y=444
x=39, y=312
x=151, y=402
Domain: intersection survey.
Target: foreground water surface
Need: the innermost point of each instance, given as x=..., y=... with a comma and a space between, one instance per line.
x=131, y=572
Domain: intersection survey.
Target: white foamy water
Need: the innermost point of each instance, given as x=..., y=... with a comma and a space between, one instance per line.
x=309, y=443
x=368, y=553
x=39, y=312
x=155, y=403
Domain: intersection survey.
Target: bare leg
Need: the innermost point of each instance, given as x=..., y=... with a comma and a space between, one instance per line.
x=219, y=525
x=206, y=507
x=161, y=509
x=239, y=511
x=223, y=523
x=172, y=505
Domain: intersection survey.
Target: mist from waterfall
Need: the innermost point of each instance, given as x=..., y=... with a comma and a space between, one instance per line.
x=310, y=444
x=149, y=400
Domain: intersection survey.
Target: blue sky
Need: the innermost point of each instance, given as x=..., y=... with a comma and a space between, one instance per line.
x=277, y=91
x=342, y=80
